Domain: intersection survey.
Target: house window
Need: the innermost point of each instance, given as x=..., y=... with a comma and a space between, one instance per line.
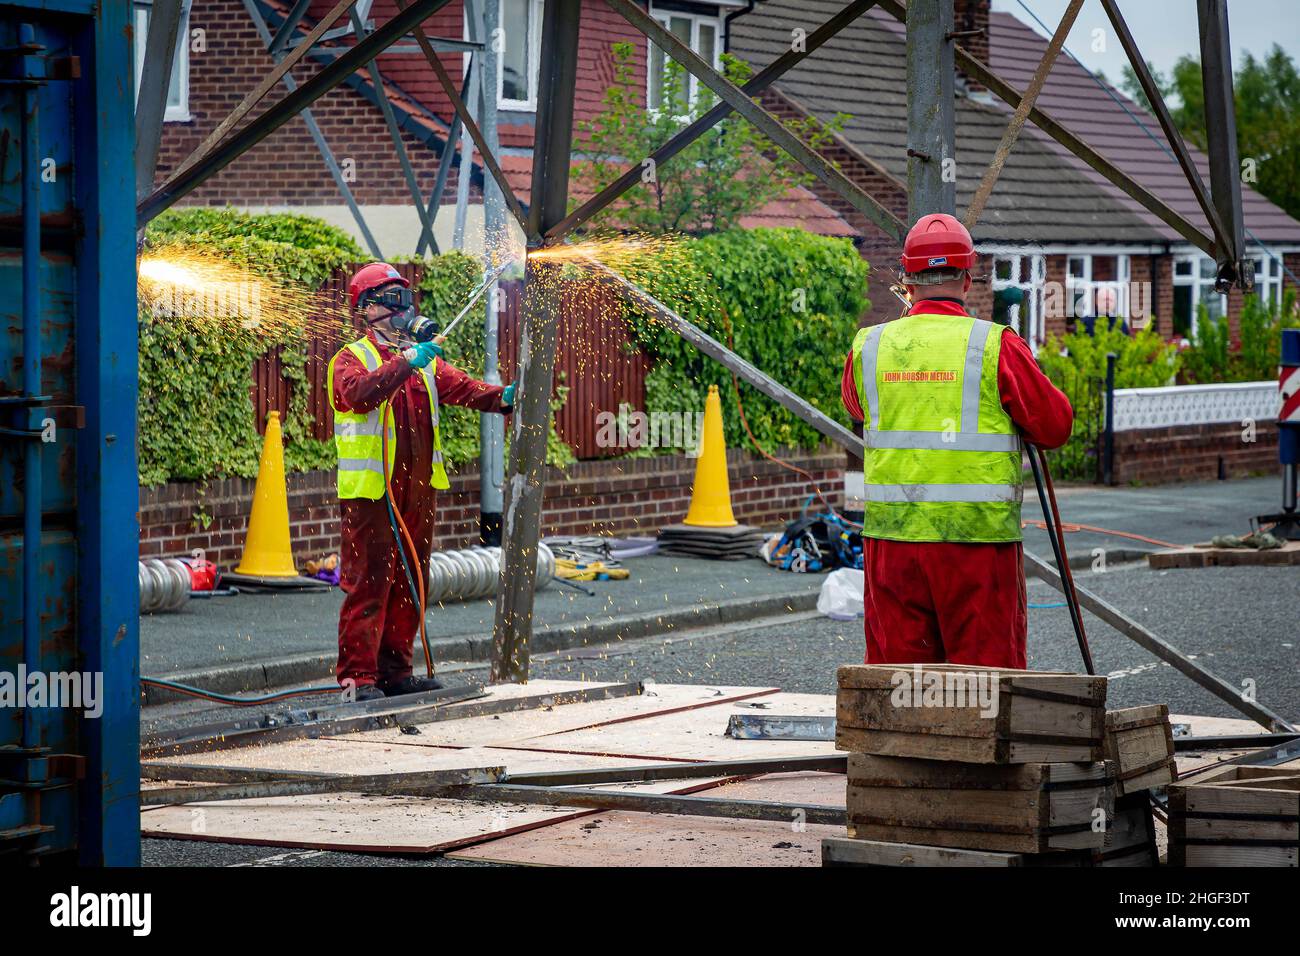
x=1268, y=279
x=178, y=90
x=1018, y=294
x=521, y=51
x=701, y=34
x=1078, y=284
x=1194, y=287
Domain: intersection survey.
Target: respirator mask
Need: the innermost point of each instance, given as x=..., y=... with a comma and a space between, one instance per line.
x=402, y=315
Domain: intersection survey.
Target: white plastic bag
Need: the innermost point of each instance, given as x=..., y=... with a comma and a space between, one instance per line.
x=841, y=597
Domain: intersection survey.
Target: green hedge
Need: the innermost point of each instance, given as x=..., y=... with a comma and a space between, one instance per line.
x=790, y=303
x=205, y=223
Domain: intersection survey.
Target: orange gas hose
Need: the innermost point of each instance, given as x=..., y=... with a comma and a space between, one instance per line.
x=406, y=535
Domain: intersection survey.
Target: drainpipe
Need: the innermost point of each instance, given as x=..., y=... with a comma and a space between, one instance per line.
x=726, y=24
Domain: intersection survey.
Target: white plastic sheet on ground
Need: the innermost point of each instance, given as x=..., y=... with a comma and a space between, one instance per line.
x=841, y=597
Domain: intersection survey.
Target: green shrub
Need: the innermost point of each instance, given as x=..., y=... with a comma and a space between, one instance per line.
x=1076, y=364
x=1212, y=356
x=788, y=301
x=205, y=223
x=1143, y=359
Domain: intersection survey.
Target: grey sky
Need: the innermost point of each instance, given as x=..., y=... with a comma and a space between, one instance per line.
x=1164, y=29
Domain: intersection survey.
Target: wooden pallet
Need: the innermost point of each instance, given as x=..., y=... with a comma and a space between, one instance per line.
x=1140, y=743
x=970, y=714
x=1207, y=556
x=1024, y=808
x=1236, y=816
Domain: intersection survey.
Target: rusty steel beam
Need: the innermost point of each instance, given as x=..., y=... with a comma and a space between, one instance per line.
x=691, y=132
x=765, y=122
x=1108, y=170
x=512, y=626
x=1021, y=114
x=221, y=154
x=1158, y=106
x=466, y=118
x=257, y=93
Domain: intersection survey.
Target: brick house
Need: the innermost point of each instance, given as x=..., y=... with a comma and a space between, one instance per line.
x=227, y=57
x=1051, y=219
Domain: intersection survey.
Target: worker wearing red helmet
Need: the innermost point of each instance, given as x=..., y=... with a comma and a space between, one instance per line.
x=387, y=380
x=945, y=399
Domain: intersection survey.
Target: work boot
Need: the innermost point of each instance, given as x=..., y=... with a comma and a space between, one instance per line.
x=411, y=685
x=368, y=692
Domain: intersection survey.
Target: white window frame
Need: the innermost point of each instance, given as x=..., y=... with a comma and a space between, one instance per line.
x=1268, y=278
x=663, y=17
x=535, y=10
x=180, y=113
x=1202, y=287
x=1032, y=287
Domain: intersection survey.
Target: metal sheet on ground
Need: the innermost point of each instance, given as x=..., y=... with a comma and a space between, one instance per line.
x=362, y=823
x=337, y=755
x=620, y=838
x=507, y=728
x=692, y=735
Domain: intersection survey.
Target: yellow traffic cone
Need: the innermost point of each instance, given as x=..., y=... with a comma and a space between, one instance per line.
x=267, y=552
x=711, y=493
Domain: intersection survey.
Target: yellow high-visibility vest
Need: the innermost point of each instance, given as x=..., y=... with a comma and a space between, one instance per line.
x=943, y=457
x=358, y=437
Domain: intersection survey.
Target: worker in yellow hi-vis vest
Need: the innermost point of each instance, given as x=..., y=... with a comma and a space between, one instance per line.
x=385, y=380
x=944, y=399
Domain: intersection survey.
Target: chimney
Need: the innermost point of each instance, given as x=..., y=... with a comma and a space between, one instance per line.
x=968, y=16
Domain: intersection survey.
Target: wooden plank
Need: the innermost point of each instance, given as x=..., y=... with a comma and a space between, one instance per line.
x=841, y=851
x=1038, y=842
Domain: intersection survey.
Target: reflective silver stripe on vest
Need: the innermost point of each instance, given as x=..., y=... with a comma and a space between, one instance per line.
x=360, y=464
x=907, y=494
x=436, y=457
x=370, y=426
x=969, y=437
x=973, y=376
x=935, y=441
x=368, y=356
x=869, y=349
x=430, y=384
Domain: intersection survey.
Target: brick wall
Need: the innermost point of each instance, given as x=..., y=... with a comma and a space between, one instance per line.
x=619, y=497
x=1193, y=453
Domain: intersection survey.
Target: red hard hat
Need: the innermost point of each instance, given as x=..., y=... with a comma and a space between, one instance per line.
x=938, y=241
x=370, y=277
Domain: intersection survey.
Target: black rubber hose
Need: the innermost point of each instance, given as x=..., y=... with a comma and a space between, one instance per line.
x=1058, y=550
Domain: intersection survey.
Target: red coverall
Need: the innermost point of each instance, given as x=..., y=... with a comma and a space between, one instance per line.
x=960, y=603
x=379, y=618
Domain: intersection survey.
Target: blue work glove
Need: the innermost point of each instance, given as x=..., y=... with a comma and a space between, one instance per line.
x=422, y=353
x=508, y=396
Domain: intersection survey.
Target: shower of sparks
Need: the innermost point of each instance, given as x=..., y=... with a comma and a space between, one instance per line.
x=192, y=285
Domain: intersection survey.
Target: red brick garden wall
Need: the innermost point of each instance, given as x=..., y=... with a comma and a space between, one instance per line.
x=620, y=497
x=1193, y=453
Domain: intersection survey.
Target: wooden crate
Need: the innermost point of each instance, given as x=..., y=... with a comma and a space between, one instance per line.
x=1236, y=816
x=844, y=851
x=1024, y=716
x=1140, y=743
x=1024, y=808
x=1130, y=834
